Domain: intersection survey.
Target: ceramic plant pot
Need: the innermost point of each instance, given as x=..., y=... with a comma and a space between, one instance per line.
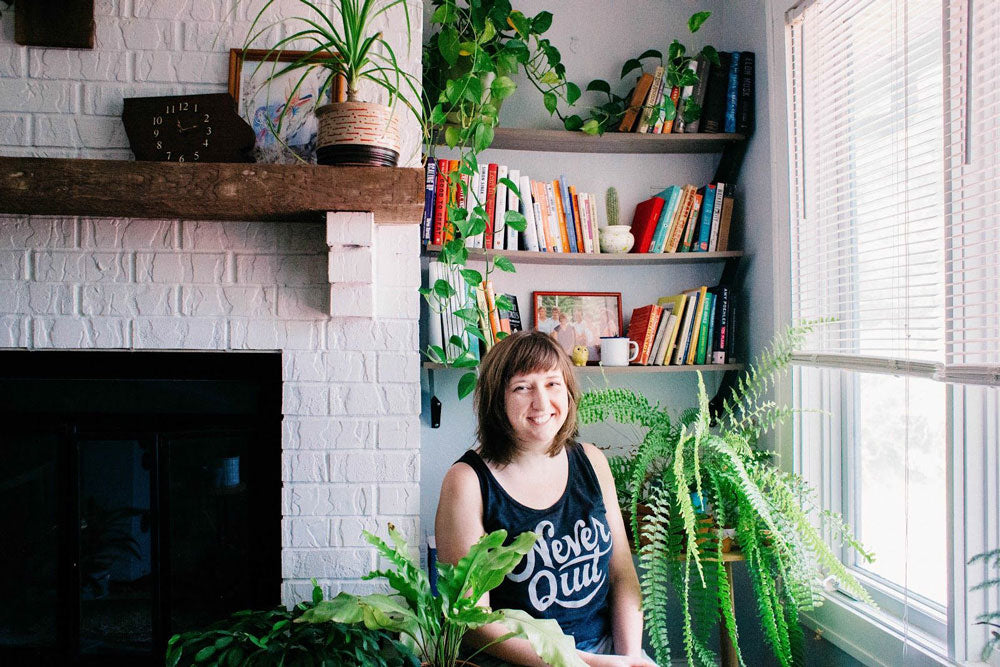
x=616, y=239
x=357, y=133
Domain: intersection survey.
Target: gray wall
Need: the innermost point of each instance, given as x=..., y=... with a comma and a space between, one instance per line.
x=594, y=44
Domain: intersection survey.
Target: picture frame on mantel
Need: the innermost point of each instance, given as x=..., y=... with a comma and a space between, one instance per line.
x=262, y=102
x=579, y=318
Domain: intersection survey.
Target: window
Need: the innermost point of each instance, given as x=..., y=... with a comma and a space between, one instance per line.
x=894, y=163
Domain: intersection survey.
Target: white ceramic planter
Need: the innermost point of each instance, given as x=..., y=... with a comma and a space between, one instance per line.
x=357, y=133
x=616, y=239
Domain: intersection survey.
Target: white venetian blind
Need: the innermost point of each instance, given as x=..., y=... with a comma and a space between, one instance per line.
x=972, y=159
x=866, y=119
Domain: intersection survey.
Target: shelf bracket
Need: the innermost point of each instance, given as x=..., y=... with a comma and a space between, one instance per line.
x=435, y=401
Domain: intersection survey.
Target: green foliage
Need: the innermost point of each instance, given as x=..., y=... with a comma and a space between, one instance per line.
x=611, y=205
x=475, y=49
x=989, y=618
x=435, y=625
x=343, y=43
x=608, y=114
x=693, y=478
x=273, y=638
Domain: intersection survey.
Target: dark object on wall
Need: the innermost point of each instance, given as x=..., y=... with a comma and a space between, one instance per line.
x=187, y=128
x=63, y=23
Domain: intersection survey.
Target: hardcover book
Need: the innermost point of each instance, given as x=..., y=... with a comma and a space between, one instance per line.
x=732, y=92
x=713, y=113
x=745, y=100
x=635, y=103
x=698, y=94
x=647, y=215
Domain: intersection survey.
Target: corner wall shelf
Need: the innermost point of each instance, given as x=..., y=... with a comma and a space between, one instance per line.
x=598, y=259
x=623, y=369
x=563, y=141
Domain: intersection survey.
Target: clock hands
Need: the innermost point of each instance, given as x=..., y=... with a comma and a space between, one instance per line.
x=181, y=129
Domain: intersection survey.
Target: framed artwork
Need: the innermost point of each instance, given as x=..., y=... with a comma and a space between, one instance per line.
x=579, y=318
x=262, y=102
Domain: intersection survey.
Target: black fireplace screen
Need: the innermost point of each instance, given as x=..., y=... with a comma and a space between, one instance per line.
x=140, y=495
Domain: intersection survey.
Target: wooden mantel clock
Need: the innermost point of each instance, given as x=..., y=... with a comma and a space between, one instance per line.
x=187, y=128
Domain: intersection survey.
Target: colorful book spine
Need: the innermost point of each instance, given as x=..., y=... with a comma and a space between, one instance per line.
x=686, y=92
x=567, y=206
x=713, y=114
x=581, y=238
x=721, y=338
x=500, y=210
x=703, y=329
x=441, y=202
x=745, y=102
x=694, y=218
x=680, y=220
x=696, y=325
x=490, y=203
x=671, y=197
x=564, y=225
x=558, y=223
x=725, y=222
x=532, y=228
x=430, y=180
x=596, y=223
x=720, y=193
x=642, y=87
x=653, y=99
x=705, y=227
x=684, y=334
x=732, y=94
x=698, y=94
x=668, y=125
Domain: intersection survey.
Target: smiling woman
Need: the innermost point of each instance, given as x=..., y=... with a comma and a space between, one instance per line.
x=528, y=473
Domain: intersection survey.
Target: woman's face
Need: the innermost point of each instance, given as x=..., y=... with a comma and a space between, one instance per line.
x=536, y=405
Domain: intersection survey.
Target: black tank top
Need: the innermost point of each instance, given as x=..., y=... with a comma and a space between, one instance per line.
x=566, y=575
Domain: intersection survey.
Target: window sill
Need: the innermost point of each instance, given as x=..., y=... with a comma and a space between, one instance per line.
x=873, y=637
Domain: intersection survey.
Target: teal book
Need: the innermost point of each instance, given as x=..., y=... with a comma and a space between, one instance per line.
x=706, y=317
x=672, y=197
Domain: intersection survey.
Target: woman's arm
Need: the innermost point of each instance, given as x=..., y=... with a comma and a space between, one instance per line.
x=625, y=597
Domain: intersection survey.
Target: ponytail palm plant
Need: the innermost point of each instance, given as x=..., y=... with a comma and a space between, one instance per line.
x=342, y=41
x=685, y=469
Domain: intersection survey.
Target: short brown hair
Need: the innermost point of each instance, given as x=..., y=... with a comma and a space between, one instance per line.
x=521, y=352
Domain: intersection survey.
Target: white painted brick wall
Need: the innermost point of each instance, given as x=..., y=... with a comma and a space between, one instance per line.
x=350, y=434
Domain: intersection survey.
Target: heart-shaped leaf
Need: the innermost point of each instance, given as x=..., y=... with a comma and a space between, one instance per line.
x=599, y=86
x=466, y=384
x=697, y=19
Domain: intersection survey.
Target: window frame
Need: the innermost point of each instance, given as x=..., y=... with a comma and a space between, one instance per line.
x=972, y=466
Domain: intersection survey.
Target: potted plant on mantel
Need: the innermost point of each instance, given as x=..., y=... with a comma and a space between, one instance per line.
x=690, y=483
x=344, y=42
x=434, y=625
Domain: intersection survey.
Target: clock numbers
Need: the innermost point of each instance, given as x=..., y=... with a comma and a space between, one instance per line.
x=205, y=120
x=205, y=144
x=179, y=106
x=156, y=133
x=157, y=120
x=208, y=130
x=159, y=145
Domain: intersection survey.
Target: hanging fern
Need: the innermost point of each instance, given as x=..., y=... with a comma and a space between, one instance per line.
x=719, y=464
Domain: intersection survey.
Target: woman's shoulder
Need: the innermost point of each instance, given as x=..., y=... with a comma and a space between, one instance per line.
x=597, y=458
x=461, y=477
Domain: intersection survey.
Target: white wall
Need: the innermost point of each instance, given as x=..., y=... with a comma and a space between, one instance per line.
x=350, y=380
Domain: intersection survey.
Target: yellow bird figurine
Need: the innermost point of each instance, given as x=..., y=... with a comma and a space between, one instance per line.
x=580, y=355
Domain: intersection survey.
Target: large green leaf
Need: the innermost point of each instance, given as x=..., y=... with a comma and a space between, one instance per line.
x=546, y=637
x=448, y=41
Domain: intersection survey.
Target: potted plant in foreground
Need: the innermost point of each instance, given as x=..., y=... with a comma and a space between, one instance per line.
x=433, y=626
x=343, y=42
x=270, y=638
x=695, y=480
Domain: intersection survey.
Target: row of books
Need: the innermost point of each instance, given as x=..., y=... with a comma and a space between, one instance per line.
x=684, y=219
x=693, y=327
x=448, y=328
x=557, y=217
x=725, y=93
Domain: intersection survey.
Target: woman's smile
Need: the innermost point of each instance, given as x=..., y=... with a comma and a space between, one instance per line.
x=537, y=406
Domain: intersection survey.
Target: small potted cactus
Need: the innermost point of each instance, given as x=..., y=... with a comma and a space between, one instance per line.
x=615, y=238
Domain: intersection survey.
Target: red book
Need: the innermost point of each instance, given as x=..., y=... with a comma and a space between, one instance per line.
x=491, y=204
x=647, y=214
x=642, y=329
x=441, y=201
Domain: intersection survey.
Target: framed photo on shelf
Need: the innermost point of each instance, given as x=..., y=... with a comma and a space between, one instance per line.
x=262, y=102
x=579, y=318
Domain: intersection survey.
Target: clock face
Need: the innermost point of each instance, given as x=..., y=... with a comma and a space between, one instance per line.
x=187, y=128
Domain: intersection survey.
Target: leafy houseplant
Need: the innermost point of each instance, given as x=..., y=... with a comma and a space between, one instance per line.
x=435, y=625
x=271, y=638
x=476, y=47
x=677, y=72
x=343, y=42
x=989, y=618
x=696, y=479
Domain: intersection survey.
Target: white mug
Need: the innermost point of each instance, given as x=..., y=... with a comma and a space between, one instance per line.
x=618, y=351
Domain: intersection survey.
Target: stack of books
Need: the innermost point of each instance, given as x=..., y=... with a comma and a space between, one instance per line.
x=684, y=219
x=725, y=94
x=558, y=218
x=694, y=327
x=448, y=321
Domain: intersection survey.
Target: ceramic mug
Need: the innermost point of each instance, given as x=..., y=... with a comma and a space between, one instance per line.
x=618, y=351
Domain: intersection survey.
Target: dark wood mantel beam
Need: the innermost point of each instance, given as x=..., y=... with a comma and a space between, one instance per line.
x=207, y=191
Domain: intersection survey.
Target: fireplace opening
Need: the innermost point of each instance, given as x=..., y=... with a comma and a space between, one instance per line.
x=141, y=496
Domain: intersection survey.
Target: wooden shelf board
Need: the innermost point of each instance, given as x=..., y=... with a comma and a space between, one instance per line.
x=429, y=365
x=529, y=257
x=563, y=141
x=207, y=190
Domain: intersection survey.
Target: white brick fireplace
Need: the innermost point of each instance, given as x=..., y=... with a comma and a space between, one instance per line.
x=337, y=299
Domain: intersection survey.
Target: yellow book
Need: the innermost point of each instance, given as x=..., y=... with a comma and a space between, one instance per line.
x=675, y=304
x=696, y=324
x=484, y=316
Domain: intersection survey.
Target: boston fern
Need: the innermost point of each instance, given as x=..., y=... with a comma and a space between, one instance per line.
x=688, y=479
x=991, y=619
